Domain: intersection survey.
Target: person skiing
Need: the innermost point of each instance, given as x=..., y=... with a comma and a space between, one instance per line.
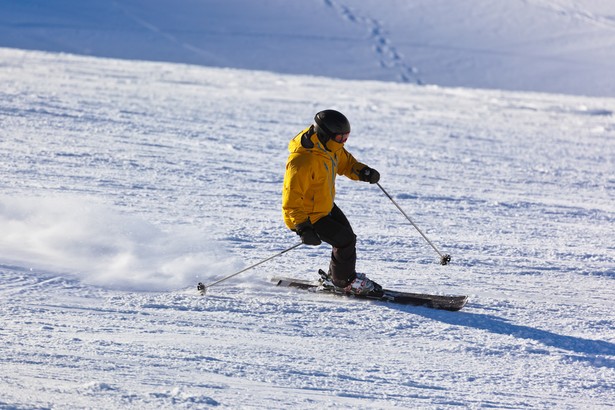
x=317, y=155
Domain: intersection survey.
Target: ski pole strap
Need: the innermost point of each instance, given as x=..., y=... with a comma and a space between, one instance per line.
x=444, y=259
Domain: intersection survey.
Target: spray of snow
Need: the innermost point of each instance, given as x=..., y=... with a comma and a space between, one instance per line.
x=104, y=247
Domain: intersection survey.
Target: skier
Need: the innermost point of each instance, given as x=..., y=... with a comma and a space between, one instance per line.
x=317, y=154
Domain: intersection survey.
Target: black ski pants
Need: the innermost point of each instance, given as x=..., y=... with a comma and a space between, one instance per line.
x=336, y=231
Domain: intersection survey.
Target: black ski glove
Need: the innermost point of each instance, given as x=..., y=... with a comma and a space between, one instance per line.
x=370, y=175
x=307, y=233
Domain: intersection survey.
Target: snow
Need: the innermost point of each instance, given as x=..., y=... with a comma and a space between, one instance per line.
x=125, y=182
x=556, y=46
x=106, y=248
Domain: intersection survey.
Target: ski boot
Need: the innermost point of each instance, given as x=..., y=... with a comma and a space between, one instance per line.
x=362, y=286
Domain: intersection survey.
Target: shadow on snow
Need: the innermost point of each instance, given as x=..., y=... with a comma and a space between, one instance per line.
x=500, y=326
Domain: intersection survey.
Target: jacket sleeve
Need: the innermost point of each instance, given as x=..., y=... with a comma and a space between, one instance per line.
x=296, y=184
x=349, y=166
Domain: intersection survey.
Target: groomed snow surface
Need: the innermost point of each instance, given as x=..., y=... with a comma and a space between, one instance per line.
x=126, y=183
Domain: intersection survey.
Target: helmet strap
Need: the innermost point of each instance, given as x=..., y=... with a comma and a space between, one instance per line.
x=322, y=135
x=323, y=139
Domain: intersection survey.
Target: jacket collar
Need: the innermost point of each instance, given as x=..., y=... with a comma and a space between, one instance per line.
x=310, y=140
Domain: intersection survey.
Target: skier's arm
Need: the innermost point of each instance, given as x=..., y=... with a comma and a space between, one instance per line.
x=356, y=170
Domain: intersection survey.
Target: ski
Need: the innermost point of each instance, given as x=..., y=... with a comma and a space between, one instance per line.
x=445, y=302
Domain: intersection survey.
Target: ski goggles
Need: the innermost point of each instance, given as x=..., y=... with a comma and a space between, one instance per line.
x=341, y=138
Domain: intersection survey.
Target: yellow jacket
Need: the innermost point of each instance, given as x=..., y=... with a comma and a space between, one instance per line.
x=309, y=181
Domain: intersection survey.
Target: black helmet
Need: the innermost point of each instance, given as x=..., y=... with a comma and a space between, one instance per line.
x=329, y=123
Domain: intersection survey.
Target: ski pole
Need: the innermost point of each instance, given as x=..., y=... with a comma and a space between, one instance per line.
x=444, y=258
x=203, y=289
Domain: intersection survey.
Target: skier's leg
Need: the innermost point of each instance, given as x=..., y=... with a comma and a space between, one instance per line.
x=336, y=231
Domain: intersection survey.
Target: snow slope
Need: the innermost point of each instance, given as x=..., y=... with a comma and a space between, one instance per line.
x=124, y=183
x=560, y=46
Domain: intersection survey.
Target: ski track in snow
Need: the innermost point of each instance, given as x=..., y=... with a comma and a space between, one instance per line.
x=164, y=34
x=388, y=56
x=517, y=187
x=574, y=10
